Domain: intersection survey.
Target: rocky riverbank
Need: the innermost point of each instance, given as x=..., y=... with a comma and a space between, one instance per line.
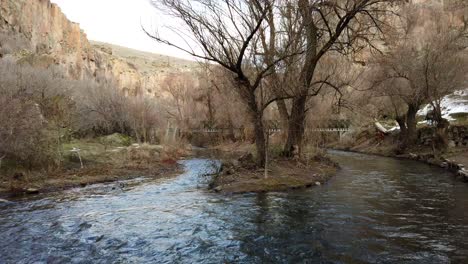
x=455, y=161
x=450, y=164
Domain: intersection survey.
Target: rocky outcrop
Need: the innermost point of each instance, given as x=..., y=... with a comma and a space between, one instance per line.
x=457, y=136
x=45, y=36
x=38, y=33
x=139, y=72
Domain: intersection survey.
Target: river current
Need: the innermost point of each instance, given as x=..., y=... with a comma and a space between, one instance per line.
x=376, y=210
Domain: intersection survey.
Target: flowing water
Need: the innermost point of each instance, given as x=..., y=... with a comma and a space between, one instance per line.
x=376, y=210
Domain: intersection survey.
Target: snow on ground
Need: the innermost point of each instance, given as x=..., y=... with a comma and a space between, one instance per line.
x=451, y=104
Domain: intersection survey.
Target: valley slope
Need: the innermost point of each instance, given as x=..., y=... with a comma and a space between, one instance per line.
x=38, y=33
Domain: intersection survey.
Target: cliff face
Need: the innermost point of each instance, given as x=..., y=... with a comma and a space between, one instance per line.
x=37, y=32
x=140, y=72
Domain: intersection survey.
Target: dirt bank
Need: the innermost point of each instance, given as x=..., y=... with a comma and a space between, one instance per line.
x=242, y=176
x=455, y=159
x=100, y=164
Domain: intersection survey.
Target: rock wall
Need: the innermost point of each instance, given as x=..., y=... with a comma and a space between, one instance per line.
x=49, y=37
x=38, y=33
x=457, y=136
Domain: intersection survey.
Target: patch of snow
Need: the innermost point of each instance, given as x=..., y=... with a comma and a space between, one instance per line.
x=451, y=104
x=424, y=122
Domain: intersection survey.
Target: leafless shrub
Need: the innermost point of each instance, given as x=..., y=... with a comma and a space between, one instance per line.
x=144, y=117
x=102, y=109
x=30, y=109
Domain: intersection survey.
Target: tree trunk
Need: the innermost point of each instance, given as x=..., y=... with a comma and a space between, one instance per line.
x=256, y=117
x=441, y=138
x=297, y=117
x=401, y=120
x=260, y=141
x=411, y=135
x=231, y=134
x=403, y=130
x=257, y=121
x=284, y=115
x=295, y=126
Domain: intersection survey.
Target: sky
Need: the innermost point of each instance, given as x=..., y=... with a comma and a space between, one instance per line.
x=119, y=22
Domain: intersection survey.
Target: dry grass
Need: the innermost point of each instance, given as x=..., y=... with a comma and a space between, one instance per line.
x=102, y=163
x=283, y=175
x=146, y=61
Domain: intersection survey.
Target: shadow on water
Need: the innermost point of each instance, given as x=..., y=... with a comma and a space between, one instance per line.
x=376, y=210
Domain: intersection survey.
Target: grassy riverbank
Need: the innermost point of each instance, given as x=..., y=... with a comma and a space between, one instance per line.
x=241, y=175
x=102, y=162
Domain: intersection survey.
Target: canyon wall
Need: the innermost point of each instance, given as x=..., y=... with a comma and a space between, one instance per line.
x=38, y=33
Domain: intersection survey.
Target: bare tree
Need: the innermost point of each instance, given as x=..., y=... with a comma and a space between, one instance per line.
x=346, y=27
x=102, y=108
x=227, y=33
x=179, y=101
x=144, y=116
x=422, y=65
x=33, y=110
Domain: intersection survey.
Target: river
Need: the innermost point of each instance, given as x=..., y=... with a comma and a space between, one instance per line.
x=376, y=210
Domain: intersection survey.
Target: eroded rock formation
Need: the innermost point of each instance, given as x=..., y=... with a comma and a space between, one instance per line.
x=38, y=33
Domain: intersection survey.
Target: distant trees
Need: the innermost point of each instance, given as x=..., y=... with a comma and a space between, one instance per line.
x=259, y=41
x=422, y=65
x=32, y=111
x=178, y=98
x=103, y=109
x=202, y=99
x=145, y=118
x=40, y=109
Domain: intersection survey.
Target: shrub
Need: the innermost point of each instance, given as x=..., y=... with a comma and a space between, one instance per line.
x=116, y=139
x=26, y=137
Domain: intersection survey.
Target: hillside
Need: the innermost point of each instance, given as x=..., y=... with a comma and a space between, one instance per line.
x=145, y=61
x=38, y=33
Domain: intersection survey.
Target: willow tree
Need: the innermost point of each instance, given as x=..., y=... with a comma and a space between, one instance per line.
x=226, y=33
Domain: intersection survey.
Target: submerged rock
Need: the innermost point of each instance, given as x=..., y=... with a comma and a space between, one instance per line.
x=463, y=173
x=451, y=144
x=3, y=201
x=31, y=191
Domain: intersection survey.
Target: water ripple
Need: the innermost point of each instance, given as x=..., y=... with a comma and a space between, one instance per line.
x=377, y=210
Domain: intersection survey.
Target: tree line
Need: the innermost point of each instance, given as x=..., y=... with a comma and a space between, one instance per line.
x=41, y=109
x=296, y=61
x=283, y=53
